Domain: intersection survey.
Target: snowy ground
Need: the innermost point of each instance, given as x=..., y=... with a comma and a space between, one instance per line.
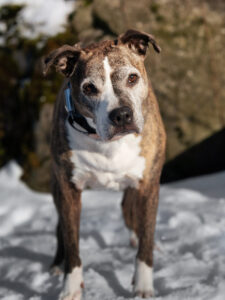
x=190, y=242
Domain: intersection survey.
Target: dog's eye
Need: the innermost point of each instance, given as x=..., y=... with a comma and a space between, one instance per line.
x=89, y=89
x=132, y=78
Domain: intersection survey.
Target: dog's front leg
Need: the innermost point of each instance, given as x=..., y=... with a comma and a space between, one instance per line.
x=69, y=208
x=146, y=203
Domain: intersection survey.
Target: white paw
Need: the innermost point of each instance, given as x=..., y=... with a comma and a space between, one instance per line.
x=143, y=280
x=73, y=285
x=133, y=239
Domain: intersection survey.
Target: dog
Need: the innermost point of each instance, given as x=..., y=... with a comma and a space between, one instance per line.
x=107, y=133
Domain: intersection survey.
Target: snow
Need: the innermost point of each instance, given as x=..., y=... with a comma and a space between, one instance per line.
x=46, y=17
x=189, y=251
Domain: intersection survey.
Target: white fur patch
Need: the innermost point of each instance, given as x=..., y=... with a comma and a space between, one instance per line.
x=108, y=92
x=133, y=239
x=143, y=280
x=72, y=287
x=107, y=102
x=90, y=122
x=105, y=165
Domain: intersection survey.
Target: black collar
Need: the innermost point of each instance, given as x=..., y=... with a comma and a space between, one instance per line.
x=74, y=117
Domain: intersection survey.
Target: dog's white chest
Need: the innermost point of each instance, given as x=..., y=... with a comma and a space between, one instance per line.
x=111, y=165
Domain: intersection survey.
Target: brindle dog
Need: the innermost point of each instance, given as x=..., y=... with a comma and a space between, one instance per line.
x=119, y=144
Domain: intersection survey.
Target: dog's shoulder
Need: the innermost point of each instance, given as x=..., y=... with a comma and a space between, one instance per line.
x=153, y=144
x=60, y=149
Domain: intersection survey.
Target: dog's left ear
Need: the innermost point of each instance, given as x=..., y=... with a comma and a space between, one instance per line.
x=138, y=41
x=64, y=59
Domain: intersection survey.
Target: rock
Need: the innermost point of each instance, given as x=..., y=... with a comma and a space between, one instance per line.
x=83, y=19
x=118, y=15
x=188, y=75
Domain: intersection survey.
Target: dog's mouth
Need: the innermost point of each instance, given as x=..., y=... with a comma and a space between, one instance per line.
x=124, y=130
x=122, y=134
x=117, y=134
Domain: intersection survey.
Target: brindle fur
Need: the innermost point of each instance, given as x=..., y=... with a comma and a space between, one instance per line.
x=139, y=205
x=67, y=197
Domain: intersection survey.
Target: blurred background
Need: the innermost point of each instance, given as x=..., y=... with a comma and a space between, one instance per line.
x=188, y=76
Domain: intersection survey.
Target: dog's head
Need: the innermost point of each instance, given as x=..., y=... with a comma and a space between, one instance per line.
x=108, y=80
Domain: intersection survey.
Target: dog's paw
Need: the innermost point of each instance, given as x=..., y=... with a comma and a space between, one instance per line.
x=75, y=296
x=143, y=280
x=145, y=295
x=133, y=239
x=73, y=285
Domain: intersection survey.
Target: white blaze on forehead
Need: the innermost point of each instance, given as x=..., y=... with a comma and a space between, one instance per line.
x=108, y=93
x=108, y=101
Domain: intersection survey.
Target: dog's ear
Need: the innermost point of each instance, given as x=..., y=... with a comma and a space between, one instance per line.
x=64, y=59
x=138, y=41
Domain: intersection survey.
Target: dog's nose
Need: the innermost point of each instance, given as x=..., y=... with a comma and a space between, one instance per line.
x=121, y=116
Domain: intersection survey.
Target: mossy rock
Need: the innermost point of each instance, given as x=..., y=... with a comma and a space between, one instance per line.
x=188, y=76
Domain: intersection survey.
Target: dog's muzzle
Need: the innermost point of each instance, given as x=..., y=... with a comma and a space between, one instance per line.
x=122, y=120
x=121, y=116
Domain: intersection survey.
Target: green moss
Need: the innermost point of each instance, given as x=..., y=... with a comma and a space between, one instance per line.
x=154, y=7
x=87, y=2
x=160, y=18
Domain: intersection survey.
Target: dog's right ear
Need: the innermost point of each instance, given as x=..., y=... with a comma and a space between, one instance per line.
x=64, y=59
